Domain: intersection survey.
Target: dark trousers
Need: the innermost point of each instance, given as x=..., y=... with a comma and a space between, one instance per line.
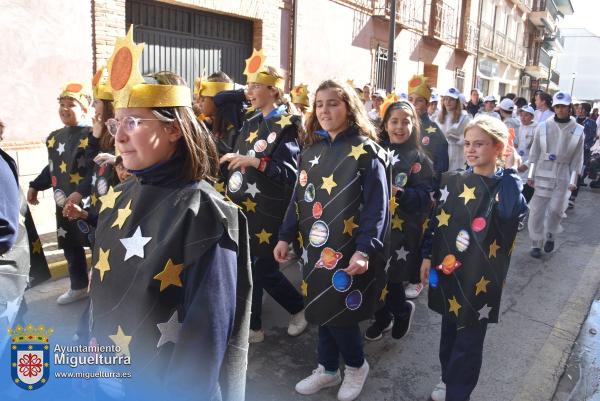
x=527, y=192
x=267, y=276
x=395, y=306
x=78, y=273
x=334, y=341
x=460, y=357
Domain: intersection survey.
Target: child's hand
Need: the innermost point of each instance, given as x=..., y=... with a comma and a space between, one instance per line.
x=32, y=196
x=358, y=264
x=522, y=168
x=75, y=198
x=72, y=211
x=105, y=158
x=238, y=161
x=572, y=187
x=425, y=266
x=531, y=183
x=281, y=252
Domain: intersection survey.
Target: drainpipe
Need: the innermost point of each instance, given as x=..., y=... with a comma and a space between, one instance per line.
x=389, y=70
x=294, y=42
x=94, y=54
x=475, y=65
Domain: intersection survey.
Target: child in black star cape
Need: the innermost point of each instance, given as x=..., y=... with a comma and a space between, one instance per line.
x=467, y=251
x=339, y=213
x=67, y=166
x=262, y=171
x=412, y=179
x=171, y=280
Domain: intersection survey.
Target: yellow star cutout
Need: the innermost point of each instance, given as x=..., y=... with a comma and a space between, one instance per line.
x=328, y=183
x=304, y=288
x=397, y=222
x=103, y=265
x=63, y=167
x=425, y=224
x=122, y=215
x=430, y=130
x=443, y=218
x=481, y=286
x=384, y=294
x=108, y=200
x=93, y=199
x=83, y=143
x=467, y=194
x=284, y=120
x=220, y=187
x=51, y=142
x=252, y=136
x=357, y=151
x=36, y=246
x=349, y=226
x=170, y=275
x=250, y=205
x=493, y=248
x=454, y=305
x=122, y=341
x=393, y=204
x=263, y=236
x=75, y=178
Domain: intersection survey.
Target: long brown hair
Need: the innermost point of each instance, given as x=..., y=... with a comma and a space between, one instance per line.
x=107, y=141
x=201, y=160
x=356, y=110
x=415, y=136
x=444, y=111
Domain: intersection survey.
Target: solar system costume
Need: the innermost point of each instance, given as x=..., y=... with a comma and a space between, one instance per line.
x=171, y=280
x=473, y=237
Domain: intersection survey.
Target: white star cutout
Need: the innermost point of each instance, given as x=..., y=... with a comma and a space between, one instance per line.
x=61, y=148
x=94, y=178
x=444, y=193
x=315, y=161
x=12, y=307
x=61, y=232
x=484, y=313
x=252, y=190
x=169, y=330
x=304, y=256
x=402, y=253
x=394, y=158
x=135, y=244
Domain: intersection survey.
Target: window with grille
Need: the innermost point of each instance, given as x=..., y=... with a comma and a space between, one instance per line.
x=381, y=67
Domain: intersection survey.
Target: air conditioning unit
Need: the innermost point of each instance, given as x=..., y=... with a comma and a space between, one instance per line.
x=525, y=81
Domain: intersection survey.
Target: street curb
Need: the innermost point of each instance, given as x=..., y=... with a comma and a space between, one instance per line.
x=541, y=380
x=59, y=269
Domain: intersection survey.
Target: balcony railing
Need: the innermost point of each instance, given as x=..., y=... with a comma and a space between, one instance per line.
x=511, y=49
x=500, y=43
x=444, y=23
x=471, y=37
x=409, y=13
x=545, y=59
x=487, y=39
x=555, y=77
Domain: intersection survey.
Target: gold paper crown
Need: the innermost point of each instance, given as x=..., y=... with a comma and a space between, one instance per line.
x=387, y=102
x=256, y=72
x=99, y=86
x=202, y=87
x=76, y=90
x=418, y=85
x=127, y=83
x=300, y=95
x=30, y=333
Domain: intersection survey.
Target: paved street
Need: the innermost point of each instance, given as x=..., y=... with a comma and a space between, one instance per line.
x=543, y=307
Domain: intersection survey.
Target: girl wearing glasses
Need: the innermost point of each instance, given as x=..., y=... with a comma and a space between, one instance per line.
x=262, y=171
x=170, y=280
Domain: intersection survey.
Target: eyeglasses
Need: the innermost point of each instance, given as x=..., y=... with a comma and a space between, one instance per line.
x=129, y=123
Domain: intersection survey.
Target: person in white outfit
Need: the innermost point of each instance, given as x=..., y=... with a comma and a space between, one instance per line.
x=555, y=161
x=506, y=114
x=433, y=109
x=452, y=119
x=489, y=107
x=543, y=107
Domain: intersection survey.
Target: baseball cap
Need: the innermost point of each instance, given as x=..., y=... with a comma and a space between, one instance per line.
x=528, y=109
x=453, y=93
x=507, y=104
x=561, y=98
x=490, y=98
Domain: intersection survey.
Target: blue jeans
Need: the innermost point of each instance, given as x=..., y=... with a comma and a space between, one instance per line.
x=334, y=341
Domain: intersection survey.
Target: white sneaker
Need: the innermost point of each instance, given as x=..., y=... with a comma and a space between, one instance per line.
x=412, y=291
x=72, y=296
x=439, y=392
x=354, y=380
x=297, y=324
x=256, y=336
x=318, y=380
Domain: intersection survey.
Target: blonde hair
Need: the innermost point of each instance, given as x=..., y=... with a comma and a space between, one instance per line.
x=357, y=114
x=457, y=110
x=494, y=128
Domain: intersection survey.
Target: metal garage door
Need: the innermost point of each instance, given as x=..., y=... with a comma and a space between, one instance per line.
x=188, y=41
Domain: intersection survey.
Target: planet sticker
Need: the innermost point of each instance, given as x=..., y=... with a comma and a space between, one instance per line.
x=354, y=300
x=552, y=157
x=59, y=198
x=478, y=224
x=54, y=181
x=251, y=153
x=317, y=210
x=260, y=146
x=319, y=233
x=449, y=264
x=462, y=240
x=425, y=140
x=521, y=153
x=102, y=186
x=83, y=226
x=303, y=178
x=400, y=180
x=271, y=137
x=235, y=182
x=341, y=281
x=309, y=194
x=101, y=170
x=329, y=259
x=416, y=167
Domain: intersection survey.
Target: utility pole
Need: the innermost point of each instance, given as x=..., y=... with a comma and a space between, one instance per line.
x=389, y=71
